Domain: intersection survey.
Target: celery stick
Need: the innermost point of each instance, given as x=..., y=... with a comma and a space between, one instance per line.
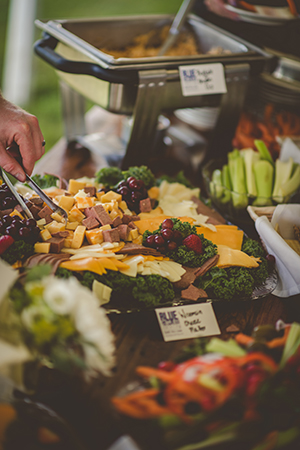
x=292, y=184
x=250, y=158
x=264, y=174
x=292, y=343
x=226, y=181
x=283, y=171
x=226, y=348
x=239, y=195
x=263, y=151
x=216, y=187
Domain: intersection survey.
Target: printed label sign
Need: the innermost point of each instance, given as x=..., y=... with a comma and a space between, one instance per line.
x=187, y=322
x=202, y=79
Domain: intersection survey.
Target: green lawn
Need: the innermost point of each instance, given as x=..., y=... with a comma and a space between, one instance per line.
x=45, y=97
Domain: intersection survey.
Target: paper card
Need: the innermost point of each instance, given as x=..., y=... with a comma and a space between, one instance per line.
x=7, y=278
x=202, y=79
x=187, y=322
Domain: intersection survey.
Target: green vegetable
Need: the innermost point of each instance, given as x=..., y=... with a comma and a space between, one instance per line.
x=45, y=181
x=150, y=290
x=292, y=184
x=292, y=343
x=283, y=171
x=226, y=181
x=141, y=173
x=250, y=158
x=226, y=348
x=216, y=185
x=264, y=174
x=229, y=283
x=263, y=151
x=179, y=178
x=109, y=176
x=19, y=250
x=238, y=179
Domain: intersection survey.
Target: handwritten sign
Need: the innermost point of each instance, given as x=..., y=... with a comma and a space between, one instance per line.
x=202, y=79
x=187, y=322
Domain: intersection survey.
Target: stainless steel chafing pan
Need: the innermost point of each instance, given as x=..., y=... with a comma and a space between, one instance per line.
x=144, y=87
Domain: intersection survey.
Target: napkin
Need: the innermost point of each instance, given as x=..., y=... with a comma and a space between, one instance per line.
x=287, y=260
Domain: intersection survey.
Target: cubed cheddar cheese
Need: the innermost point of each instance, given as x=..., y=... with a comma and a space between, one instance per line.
x=94, y=236
x=111, y=195
x=57, y=217
x=42, y=247
x=113, y=214
x=75, y=215
x=85, y=202
x=105, y=227
x=133, y=234
x=75, y=186
x=41, y=222
x=68, y=241
x=123, y=205
x=45, y=234
x=99, y=195
x=55, y=227
x=72, y=225
x=78, y=237
x=153, y=192
x=66, y=202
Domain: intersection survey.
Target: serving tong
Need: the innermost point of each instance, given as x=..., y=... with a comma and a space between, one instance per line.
x=53, y=206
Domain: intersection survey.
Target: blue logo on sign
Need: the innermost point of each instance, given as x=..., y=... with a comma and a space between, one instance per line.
x=169, y=318
x=189, y=75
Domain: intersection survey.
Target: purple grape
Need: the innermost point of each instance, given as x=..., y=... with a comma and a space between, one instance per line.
x=150, y=240
x=159, y=240
x=167, y=234
x=11, y=231
x=24, y=232
x=7, y=219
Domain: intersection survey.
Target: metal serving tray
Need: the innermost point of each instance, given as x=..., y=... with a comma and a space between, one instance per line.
x=144, y=87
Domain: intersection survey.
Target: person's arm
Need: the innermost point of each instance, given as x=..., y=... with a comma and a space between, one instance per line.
x=19, y=127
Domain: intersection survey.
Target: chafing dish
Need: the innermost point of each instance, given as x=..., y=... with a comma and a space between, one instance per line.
x=145, y=87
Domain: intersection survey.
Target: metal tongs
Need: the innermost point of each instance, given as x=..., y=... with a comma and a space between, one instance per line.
x=39, y=192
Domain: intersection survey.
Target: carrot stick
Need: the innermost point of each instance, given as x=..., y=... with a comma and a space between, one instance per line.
x=279, y=342
x=243, y=339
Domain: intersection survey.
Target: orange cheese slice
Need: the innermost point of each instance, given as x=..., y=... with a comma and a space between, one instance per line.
x=230, y=257
x=228, y=235
x=152, y=223
x=95, y=265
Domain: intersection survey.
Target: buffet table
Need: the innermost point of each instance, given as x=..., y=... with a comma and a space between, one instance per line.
x=137, y=335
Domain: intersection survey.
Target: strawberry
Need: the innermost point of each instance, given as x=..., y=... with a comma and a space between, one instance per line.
x=193, y=242
x=5, y=242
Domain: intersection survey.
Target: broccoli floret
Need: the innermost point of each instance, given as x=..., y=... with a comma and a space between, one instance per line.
x=141, y=173
x=45, y=181
x=179, y=178
x=18, y=251
x=109, y=176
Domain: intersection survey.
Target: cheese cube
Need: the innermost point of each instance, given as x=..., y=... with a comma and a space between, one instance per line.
x=85, y=202
x=78, y=236
x=45, y=234
x=57, y=217
x=111, y=195
x=42, y=247
x=105, y=227
x=41, y=222
x=55, y=227
x=72, y=225
x=99, y=194
x=76, y=215
x=66, y=202
x=123, y=205
x=75, y=186
x=68, y=242
x=133, y=234
x=94, y=236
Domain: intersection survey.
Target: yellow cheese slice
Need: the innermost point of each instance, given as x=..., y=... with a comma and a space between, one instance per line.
x=152, y=223
x=231, y=257
x=95, y=265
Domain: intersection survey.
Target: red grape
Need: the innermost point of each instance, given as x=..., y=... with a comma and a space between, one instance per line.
x=150, y=240
x=167, y=234
x=30, y=223
x=159, y=240
x=167, y=223
x=177, y=236
x=24, y=232
x=172, y=246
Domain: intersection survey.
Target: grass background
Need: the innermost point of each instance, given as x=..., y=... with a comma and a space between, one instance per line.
x=45, y=100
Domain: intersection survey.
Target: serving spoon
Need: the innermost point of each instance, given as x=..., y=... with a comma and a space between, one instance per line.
x=176, y=26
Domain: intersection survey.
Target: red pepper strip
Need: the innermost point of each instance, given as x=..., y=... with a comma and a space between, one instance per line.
x=260, y=358
x=140, y=404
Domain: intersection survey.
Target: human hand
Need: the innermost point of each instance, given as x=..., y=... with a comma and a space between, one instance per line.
x=218, y=7
x=19, y=129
